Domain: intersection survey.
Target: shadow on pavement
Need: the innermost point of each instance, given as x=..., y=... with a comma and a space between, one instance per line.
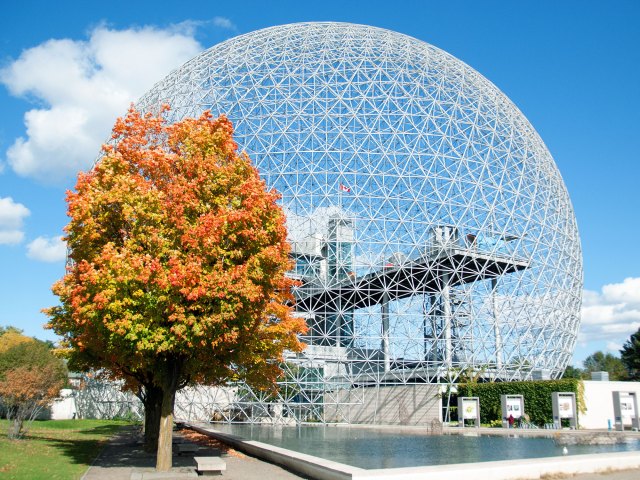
x=126, y=450
x=124, y=457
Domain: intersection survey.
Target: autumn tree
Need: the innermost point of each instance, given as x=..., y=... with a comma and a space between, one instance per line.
x=630, y=356
x=31, y=377
x=12, y=336
x=177, y=261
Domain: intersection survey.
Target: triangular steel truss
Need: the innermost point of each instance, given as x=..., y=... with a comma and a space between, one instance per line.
x=431, y=229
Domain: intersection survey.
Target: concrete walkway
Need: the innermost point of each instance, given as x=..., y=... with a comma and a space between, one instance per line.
x=123, y=457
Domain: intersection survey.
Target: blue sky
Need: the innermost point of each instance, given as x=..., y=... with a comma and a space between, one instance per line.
x=572, y=67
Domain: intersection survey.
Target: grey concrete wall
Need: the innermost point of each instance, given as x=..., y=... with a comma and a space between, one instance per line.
x=418, y=404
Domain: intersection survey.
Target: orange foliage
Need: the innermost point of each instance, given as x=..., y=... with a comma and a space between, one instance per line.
x=178, y=258
x=36, y=386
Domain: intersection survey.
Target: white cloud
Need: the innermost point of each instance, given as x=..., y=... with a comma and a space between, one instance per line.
x=47, y=249
x=612, y=314
x=614, y=347
x=627, y=292
x=83, y=86
x=222, y=22
x=12, y=215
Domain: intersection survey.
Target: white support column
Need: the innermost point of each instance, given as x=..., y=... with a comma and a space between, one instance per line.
x=436, y=332
x=446, y=313
x=496, y=323
x=425, y=320
x=385, y=331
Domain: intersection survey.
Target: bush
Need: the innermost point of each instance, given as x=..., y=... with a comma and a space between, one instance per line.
x=30, y=378
x=537, y=397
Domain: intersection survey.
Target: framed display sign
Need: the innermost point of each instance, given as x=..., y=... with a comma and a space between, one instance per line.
x=514, y=407
x=625, y=409
x=564, y=408
x=565, y=405
x=470, y=409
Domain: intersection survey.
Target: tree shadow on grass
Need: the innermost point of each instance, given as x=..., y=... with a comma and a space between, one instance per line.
x=122, y=450
x=110, y=430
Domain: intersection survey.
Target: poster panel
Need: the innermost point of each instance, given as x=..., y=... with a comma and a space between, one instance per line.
x=565, y=405
x=514, y=407
x=626, y=406
x=470, y=409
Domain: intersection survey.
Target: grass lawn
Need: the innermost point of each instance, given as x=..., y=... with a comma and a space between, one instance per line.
x=54, y=449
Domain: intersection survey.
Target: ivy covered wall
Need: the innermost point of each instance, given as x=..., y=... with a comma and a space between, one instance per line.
x=537, y=397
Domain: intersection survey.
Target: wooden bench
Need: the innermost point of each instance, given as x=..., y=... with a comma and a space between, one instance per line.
x=210, y=465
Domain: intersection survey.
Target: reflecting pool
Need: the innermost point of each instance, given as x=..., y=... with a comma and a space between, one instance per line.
x=377, y=448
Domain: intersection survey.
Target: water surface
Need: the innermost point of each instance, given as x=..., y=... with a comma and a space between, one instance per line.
x=377, y=448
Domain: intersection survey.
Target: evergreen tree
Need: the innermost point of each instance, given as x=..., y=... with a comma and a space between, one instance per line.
x=630, y=354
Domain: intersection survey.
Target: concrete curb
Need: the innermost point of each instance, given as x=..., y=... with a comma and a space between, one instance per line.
x=513, y=469
x=314, y=467
x=322, y=469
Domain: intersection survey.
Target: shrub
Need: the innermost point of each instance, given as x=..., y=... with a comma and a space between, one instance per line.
x=537, y=397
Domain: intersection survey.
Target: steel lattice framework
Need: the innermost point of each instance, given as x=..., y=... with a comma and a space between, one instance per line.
x=431, y=229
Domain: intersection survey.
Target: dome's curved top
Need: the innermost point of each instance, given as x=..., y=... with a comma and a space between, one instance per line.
x=383, y=145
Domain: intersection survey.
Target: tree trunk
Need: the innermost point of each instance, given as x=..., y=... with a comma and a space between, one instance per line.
x=14, y=415
x=16, y=427
x=152, y=413
x=169, y=388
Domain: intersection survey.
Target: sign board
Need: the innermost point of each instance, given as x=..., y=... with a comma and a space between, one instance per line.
x=470, y=409
x=514, y=407
x=565, y=407
x=625, y=410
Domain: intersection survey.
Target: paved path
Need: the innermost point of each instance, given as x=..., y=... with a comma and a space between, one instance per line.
x=124, y=455
x=621, y=475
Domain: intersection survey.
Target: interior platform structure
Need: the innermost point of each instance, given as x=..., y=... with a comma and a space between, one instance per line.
x=331, y=294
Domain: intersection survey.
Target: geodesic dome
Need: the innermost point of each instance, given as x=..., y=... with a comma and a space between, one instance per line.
x=431, y=230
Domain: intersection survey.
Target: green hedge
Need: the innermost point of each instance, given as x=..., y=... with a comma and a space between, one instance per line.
x=537, y=397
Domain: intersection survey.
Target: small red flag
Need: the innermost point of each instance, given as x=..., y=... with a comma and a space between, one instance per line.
x=344, y=188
